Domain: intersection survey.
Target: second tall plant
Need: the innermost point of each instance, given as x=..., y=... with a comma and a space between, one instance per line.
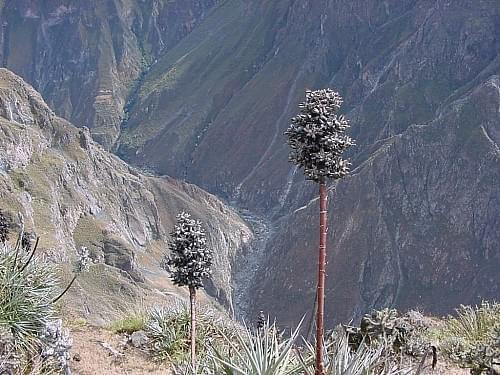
x=317, y=140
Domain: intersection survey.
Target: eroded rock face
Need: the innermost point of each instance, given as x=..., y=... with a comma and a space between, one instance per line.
x=413, y=226
x=119, y=255
x=86, y=56
x=73, y=193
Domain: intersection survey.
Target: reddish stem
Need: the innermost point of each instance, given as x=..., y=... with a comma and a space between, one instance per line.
x=321, y=278
x=192, y=297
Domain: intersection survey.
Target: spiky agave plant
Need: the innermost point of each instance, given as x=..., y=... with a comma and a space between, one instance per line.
x=341, y=359
x=28, y=292
x=168, y=326
x=189, y=263
x=317, y=140
x=27, y=287
x=260, y=352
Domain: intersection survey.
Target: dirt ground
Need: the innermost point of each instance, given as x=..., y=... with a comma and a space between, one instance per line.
x=97, y=351
x=443, y=368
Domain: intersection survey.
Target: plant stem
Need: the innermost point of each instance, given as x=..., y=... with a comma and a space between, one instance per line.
x=18, y=245
x=31, y=256
x=192, y=297
x=321, y=278
x=65, y=290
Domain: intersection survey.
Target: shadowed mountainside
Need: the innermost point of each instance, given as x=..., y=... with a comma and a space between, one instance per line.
x=415, y=224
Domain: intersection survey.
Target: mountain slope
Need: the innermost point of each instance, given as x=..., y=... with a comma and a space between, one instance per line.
x=86, y=56
x=225, y=94
x=415, y=224
x=73, y=193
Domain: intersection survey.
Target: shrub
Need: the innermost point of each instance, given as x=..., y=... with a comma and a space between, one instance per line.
x=168, y=331
x=394, y=332
x=472, y=338
x=31, y=336
x=131, y=323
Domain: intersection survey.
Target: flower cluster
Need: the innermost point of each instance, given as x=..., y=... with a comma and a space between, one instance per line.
x=84, y=261
x=317, y=136
x=26, y=241
x=4, y=227
x=190, y=259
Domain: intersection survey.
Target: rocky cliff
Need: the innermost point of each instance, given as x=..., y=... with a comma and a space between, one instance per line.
x=416, y=222
x=73, y=193
x=415, y=225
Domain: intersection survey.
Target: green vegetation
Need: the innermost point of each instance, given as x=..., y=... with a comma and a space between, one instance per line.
x=27, y=289
x=32, y=338
x=31, y=335
x=261, y=352
x=472, y=338
x=342, y=359
x=168, y=330
x=385, y=343
x=131, y=323
x=267, y=351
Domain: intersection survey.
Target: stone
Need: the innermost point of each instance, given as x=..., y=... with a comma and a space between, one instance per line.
x=139, y=339
x=119, y=255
